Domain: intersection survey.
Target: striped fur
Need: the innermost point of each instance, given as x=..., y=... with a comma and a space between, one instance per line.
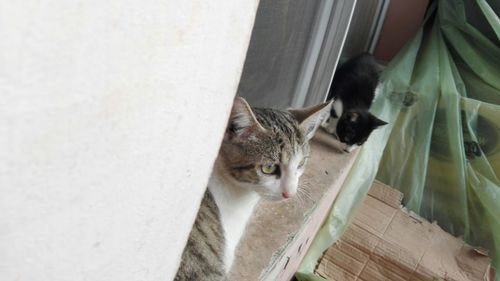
x=202, y=258
x=254, y=138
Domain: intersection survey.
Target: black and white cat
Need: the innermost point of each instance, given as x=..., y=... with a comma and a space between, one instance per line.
x=353, y=89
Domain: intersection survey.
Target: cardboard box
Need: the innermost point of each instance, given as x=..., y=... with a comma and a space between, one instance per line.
x=386, y=242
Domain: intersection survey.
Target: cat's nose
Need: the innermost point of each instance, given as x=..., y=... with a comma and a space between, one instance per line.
x=287, y=194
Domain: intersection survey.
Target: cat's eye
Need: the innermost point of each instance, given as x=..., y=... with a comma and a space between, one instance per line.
x=269, y=169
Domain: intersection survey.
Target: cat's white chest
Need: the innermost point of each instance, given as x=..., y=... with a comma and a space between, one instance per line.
x=338, y=106
x=235, y=207
x=330, y=124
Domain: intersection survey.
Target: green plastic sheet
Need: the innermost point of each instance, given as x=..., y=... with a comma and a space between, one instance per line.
x=441, y=96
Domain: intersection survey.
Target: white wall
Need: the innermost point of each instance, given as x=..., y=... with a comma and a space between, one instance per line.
x=111, y=114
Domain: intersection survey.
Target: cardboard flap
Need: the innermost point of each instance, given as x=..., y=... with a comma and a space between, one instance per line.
x=387, y=242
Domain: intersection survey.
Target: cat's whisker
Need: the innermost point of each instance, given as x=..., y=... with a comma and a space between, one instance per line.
x=305, y=185
x=307, y=193
x=301, y=200
x=307, y=197
x=304, y=194
x=306, y=188
x=304, y=191
x=306, y=182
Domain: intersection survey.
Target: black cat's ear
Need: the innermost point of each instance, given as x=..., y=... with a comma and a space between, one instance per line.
x=352, y=116
x=310, y=118
x=377, y=122
x=242, y=121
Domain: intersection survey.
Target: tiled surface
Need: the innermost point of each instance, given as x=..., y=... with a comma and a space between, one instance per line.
x=272, y=222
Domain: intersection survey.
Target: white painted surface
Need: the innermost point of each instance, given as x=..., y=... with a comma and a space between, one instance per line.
x=111, y=114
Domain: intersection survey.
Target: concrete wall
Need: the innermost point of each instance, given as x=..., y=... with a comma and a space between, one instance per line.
x=111, y=114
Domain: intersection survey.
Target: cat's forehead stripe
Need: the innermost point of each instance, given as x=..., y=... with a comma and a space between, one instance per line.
x=280, y=122
x=287, y=132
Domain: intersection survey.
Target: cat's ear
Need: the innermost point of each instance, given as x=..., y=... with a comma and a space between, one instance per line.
x=377, y=122
x=310, y=118
x=242, y=121
x=352, y=116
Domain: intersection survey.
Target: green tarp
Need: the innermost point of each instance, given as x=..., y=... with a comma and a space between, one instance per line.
x=441, y=95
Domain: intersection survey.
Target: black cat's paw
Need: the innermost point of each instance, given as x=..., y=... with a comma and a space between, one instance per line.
x=350, y=148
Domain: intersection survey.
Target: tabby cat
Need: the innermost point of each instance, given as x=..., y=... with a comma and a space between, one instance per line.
x=353, y=89
x=262, y=155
